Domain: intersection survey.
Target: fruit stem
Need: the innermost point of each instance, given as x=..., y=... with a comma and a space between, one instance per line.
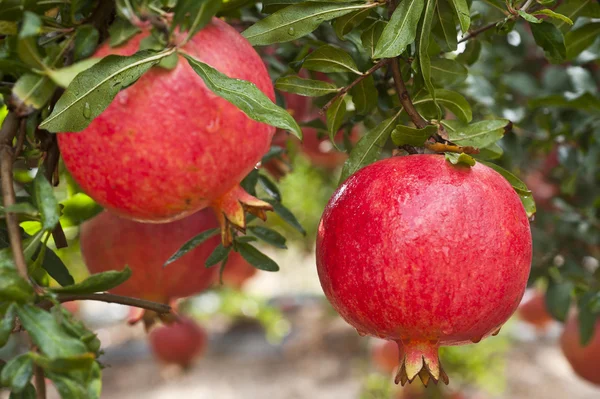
x=419, y=358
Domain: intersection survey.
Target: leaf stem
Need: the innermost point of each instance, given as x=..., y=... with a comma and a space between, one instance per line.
x=112, y=298
x=526, y=5
x=344, y=90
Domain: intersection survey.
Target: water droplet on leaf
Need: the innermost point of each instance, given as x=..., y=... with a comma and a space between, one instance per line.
x=87, y=111
x=291, y=31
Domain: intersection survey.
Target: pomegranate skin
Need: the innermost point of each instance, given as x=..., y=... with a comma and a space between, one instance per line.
x=109, y=242
x=178, y=343
x=167, y=146
x=583, y=359
x=419, y=251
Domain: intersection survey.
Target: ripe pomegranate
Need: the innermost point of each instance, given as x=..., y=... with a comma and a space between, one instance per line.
x=237, y=271
x=109, y=242
x=425, y=253
x=167, y=146
x=178, y=343
x=72, y=306
x=583, y=359
x=385, y=356
x=534, y=312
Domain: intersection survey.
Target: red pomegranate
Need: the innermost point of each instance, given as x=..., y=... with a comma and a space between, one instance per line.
x=542, y=189
x=425, y=253
x=534, y=312
x=109, y=242
x=167, y=146
x=237, y=271
x=72, y=306
x=583, y=359
x=178, y=343
x=385, y=356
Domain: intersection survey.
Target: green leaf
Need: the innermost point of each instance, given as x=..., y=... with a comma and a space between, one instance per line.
x=219, y=254
x=574, y=9
x=558, y=299
x=529, y=18
x=548, y=37
x=121, y=31
x=554, y=15
x=520, y=187
x=401, y=30
x=191, y=244
x=246, y=96
x=364, y=95
x=269, y=236
x=66, y=364
x=30, y=26
x=445, y=29
x=461, y=7
x=298, y=20
x=402, y=135
x=368, y=149
x=68, y=388
x=269, y=187
x=27, y=393
x=96, y=282
x=586, y=317
x=24, y=208
x=304, y=87
x=7, y=322
x=93, y=90
x=270, y=6
x=28, y=52
x=471, y=53
x=581, y=38
x=335, y=117
x=86, y=41
x=64, y=76
x=493, y=151
x=455, y=102
x=370, y=37
x=256, y=258
x=193, y=15
x=479, y=134
x=330, y=59
x=344, y=24
x=17, y=372
x=423, y=50
x=33, y=90
x=45, y=201
x=56, y=268
x=8, y=28
x=77, y=209
x=47, y=334
x=286, y=215
x=12, y=286
x=460, y=159
x=447, y=72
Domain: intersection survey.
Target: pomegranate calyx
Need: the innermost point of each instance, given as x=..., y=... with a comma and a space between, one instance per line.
x=420, y=358
x=231, y=208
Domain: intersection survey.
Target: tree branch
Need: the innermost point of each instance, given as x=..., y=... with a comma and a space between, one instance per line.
x=405, y=97
x=476, y=32
x=159, y=308
x=7, y=133
x=357, y=81
x=40, y=382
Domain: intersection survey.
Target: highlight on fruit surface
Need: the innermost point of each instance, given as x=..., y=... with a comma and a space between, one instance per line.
x=584, y=359
x=424, y=253
x=109, y=242
x=169, y=131
x=180, y=342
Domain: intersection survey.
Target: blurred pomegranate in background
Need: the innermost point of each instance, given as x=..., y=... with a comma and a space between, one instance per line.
x=237, y=271
x=534, y=312
x=178, y=343
x=72, y=306
x=385, y=356
x=585, y=360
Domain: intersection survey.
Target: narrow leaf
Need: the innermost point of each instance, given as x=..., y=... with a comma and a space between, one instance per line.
x=452, y=100
x=256, y=258
x=191, y=244
x=548, y=37
x=219, y=254
x=581, y=38
x=330, y=59
x=447, y=72
x=17, y=372
x=558, y=299
x=64, y=76
x=45, y=201
x=364, y=95
x=286, y=215
x=402, y=135
x=401, y=30
x=304, y=87
x=335, y=117
x=424, y=61
x=96, y=282
x=555, y=15
x=478, y=134
x=461, y=7
x=7, y=322
x=445, y=28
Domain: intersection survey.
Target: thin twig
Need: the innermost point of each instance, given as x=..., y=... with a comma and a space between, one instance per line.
x=526, y=5
x=357, y=81
x=476, y=32
x=405, y=97
x=159, y=308
x=40, y=382
x=449, y=147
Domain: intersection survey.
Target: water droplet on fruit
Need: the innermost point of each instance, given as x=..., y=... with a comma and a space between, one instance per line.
x=213, y=125
x=496, y=332
x=291, y=31
x=123, y=98
x=87, y=111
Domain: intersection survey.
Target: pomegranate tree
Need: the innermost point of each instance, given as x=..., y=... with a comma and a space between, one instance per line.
x=167, y=146
x=180, y=342
x=583, y=359
x=109, y=242
x=425, y=253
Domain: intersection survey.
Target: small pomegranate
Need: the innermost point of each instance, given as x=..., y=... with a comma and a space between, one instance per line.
x=167, y=146
x=237, y=271
x=425, y=253
x=180, y=342
x=385, y=356
x=109, y=242
x=534, y=312
x=583, y=359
